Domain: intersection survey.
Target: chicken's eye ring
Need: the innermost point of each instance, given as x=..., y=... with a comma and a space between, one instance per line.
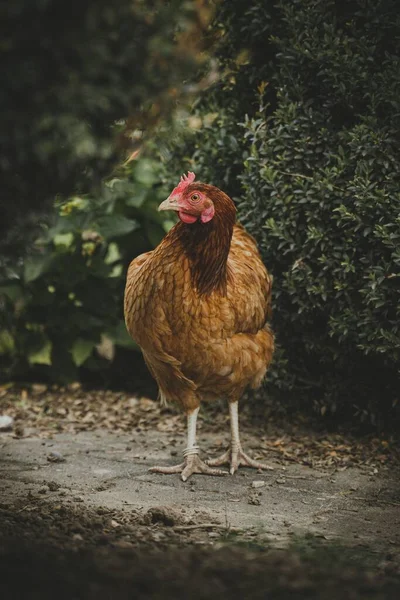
x=195, y=197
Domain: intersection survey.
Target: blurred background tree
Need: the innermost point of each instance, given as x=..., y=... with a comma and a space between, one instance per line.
x=69, y=73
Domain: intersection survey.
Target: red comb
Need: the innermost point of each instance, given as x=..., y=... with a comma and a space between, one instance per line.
x=184, y=182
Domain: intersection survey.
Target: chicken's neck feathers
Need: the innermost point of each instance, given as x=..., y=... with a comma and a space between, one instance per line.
x=207, y=246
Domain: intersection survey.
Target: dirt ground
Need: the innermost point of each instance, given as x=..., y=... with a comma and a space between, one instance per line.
x=81, y=516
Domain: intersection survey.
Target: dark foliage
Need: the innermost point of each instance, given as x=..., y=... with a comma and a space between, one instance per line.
x=303, y=129
x=69, y=71
x=61, y=309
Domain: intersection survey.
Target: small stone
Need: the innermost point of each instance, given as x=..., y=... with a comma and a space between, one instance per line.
x=123, y=544
x=43, y=490
x=257, y=484
x=281, y=480
x=133, y=402
x=161, y=514
x=19, y=431
x=55, y=457
x=77, y=537
x=6, y=423
x=287, y=523
x=254, y=499
x=53, y=486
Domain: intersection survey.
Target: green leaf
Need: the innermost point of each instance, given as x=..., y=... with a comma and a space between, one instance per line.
x=111, y=226
x=35, y=266
x=121, y=337
x=42, y=356
x=63, y=239
x=12, y=291
x=146, y=171
x=81, y=350
x=137, y=199
x=7, y=343
x=116, y=271
x=113, y=254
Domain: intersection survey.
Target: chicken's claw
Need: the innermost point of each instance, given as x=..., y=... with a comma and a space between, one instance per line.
x=236, y=457
x=191, y=465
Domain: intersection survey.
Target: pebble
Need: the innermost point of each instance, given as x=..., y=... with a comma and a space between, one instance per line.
x=19, y=430
x=55, y=457
x=257, y=484
x=6, y=423
x=254, y=499
x=123, y=544
x=53, y=486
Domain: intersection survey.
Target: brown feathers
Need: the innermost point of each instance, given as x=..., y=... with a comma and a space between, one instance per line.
x=198, y=307
x=206, y=245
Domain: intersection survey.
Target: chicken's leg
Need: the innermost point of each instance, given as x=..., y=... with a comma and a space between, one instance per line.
x=235, y=455
x=191, y=460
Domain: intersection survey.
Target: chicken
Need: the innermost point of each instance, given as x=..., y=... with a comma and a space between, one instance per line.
x=198, y=306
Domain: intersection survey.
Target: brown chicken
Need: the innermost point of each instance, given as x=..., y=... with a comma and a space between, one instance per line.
x=198, y=306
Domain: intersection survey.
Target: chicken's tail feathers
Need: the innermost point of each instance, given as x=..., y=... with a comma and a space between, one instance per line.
x=162, y=397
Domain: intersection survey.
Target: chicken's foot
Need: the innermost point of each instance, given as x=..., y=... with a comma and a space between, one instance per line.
x=235, y=456
x=192, y=463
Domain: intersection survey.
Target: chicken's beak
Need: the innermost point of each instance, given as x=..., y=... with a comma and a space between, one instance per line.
x=169, y=204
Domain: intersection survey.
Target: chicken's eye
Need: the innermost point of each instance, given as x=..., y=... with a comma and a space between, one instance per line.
x=195, y=197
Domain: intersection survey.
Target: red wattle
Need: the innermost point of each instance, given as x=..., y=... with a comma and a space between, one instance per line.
x=186, y=218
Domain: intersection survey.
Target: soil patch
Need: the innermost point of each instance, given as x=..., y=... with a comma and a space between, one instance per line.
x=81, y=516
x=51, y=552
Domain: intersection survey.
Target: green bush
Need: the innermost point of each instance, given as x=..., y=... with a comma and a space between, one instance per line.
x=62, y=307
x=70, y=71
x=303, y=129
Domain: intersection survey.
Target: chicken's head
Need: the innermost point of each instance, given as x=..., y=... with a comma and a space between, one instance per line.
x=190, y=203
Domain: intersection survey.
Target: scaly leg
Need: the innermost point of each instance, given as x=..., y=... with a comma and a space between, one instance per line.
x=235, y=455
x=191, y=461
